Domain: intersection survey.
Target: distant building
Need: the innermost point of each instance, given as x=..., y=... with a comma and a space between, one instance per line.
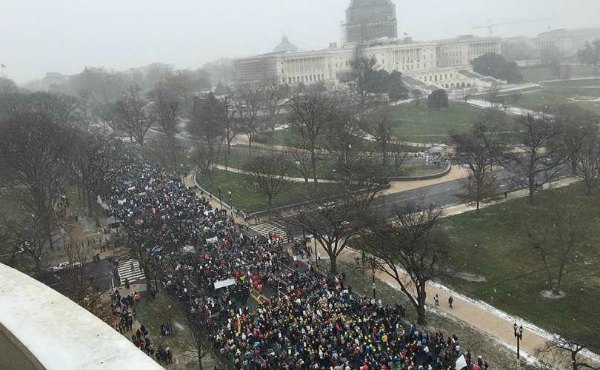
x=285, y=45
x=461, y=51
x=566, y=42
x=371, y=27
x=368, y=20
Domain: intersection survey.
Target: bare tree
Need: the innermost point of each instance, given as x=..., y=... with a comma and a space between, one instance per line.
x=106, y=115
x=132, y=115
x=539, y=156
x=581, y=143
x=165, y=109
x=204, y=159
x=30, y=240
x=362, y=68
x=231, y=125
x=587, y=164
x=165, y=150
x=200, y=333
x=480, y=153
x=379, y=122
x=558, y=348
x=417, y=95
x=207, y=125
x=557, y=239
x=466, y=91
x=411, y=242
x=97, y=160
x=309, y=117
x=7, y=86
x=248, y=101
x=590, y=55
x=300, y=159
x=269, y=175
x=35, y=160
x=335, y=223
x=493, y=95
x=275, y=94
x=61, y=109
x=343, y=136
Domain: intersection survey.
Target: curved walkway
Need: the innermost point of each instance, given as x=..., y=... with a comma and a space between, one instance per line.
x=480, y=315
x=288, y=178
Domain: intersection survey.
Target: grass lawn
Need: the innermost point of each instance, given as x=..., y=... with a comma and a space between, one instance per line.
x=494, y=244
x=152, y=313
x=544, y=100
x=543, y=73
x=289, y=138
x=245, y=197
x=238, y=159
x=418, y=170
x=574, y=83
x=557, y=93
x=423, y=125
x=547, y=101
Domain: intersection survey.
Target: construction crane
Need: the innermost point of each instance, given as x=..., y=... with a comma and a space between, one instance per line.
x=490, y=27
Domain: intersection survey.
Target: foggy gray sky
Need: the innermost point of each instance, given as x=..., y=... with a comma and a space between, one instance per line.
x=37, y=36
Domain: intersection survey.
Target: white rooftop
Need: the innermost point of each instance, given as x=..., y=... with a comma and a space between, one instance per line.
x=59, y=333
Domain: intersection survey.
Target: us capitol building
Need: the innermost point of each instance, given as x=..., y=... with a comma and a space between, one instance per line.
x=371, y=26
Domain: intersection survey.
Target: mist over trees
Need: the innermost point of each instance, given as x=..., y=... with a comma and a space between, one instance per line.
x=101, y=85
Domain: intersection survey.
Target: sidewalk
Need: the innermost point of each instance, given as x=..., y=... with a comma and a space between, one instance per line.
x=456, y=173
x=190, y=183
x=478, y=314
x=291, y=179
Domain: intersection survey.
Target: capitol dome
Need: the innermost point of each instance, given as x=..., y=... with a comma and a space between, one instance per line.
x=285, y=45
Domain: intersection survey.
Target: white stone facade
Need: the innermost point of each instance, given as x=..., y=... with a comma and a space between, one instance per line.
x=434, y=63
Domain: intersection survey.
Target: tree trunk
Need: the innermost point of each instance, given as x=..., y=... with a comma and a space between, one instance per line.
x=333, y=264
x=38, y=264
x=531, y=188
x=48, y=227
x=313, y=165
x=421, y=297
x=588, y=187
x=421, y=315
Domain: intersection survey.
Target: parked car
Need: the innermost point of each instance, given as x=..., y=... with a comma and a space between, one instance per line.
x=64, y=266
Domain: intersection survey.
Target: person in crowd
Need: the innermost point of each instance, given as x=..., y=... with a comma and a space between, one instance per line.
x=306, y=320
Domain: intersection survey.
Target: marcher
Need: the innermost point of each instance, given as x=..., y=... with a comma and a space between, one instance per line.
x=313, y=321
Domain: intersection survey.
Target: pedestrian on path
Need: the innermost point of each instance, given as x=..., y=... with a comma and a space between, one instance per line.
x=436, y=299
x=450, y=301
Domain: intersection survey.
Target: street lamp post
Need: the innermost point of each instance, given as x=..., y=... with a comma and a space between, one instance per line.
x=230, y=203
x=519, y=335
x=220, y=199
x=316, y=258
x=373, y=275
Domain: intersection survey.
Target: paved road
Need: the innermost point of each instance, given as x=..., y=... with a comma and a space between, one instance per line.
x=440, y=195
x=59, y=281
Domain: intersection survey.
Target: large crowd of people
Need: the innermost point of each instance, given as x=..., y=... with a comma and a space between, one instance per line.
x=307, y=320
